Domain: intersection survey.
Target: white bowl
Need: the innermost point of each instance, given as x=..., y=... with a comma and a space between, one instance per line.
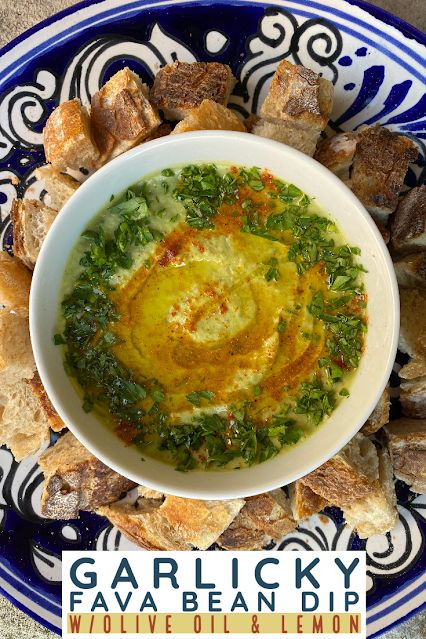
x=335, y=199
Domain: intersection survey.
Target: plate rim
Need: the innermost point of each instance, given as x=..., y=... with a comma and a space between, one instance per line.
x=384, y=16
x=381, y=14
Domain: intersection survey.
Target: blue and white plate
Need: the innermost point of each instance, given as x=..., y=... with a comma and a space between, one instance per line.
x=377, y=64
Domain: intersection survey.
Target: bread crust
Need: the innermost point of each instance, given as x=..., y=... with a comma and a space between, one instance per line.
x=411, y=270
x=209, y=115
x=375, y=514
x=412, y=334
x=337, y=153
x=31, y=220
x=67, y=137
x=380, y=415
x=76, y=480
x=407, y=447
x=122, y=115
x=60, y=186
x=304, y=502
x=304, y=140
x=379, y=166
x=298, y=95
x=408, y=226
x=347, y=476
x=55, y=422
x=15, y=283
x=182, y=86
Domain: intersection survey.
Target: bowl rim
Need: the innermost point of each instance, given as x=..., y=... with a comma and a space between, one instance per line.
x=42, y=268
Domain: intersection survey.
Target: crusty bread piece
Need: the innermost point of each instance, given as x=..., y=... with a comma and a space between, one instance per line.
x=415, y=368
x=412, y=334
x=15, y=282
x=304, y=502
x=143, y=524
x=68, y=139
x=408, y=227
x=182, y=86
x=122, y=115
x=299, y=96
x=375, y=514
x=76, y=480
x=31, y=221
x=411, y=270
x=250, y=121
x=379, y=166
x=199, y=523
x=50, y=414
x=380, y=415
x=163, y=130
x=16, y=355
x=407, y=447
x=59, y=186
x=23, y=426
x=413, y=397
x=266, y=517
x=304, y=140
x=337, y=153
x=176, y=523
x=207, y=116
x=150, y=493
x=347, y=476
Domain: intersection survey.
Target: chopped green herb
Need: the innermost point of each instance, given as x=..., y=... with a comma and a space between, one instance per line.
x=196, y=396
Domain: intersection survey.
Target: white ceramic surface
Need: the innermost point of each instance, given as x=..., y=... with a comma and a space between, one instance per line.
x=340, y=204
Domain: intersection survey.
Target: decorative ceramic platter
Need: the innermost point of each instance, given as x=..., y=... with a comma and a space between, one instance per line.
x=377, y=64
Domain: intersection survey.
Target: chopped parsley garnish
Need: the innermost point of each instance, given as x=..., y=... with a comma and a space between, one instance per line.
x=255, y=203
x=196, y=396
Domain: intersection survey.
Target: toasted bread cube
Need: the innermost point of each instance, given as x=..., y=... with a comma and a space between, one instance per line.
x=304, y=502
x=411, y=270
x=299, y=96
x=266, y=517
x=16, y=355
x=209, y=115
x=182, y=86
x=150, y=493
x=250, y=121
x=380, y=415
x=163, y=130
x=412, y=334
x=76, y=480
x=15, y=283
x=407, y=447
x=415, y=368
x=375, y=514
x=349, y=475
x=31, y=220
x=59, y=186
x=380, y=163
x=413, y=397
x=122, y=115
x=68, y=140
x=337, y=153
x=304, y=140
x=408, y=227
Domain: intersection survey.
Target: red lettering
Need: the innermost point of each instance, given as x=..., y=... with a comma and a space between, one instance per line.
x=74, y=621
x=123, y=630
x=168, y=624
x=107, y=623
x=197, y=624
x=152, y=622
x=299, y=623
x=336, y=623
x=354, y=623
x=317, y=624
x=283, y=630
x=225, y=625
